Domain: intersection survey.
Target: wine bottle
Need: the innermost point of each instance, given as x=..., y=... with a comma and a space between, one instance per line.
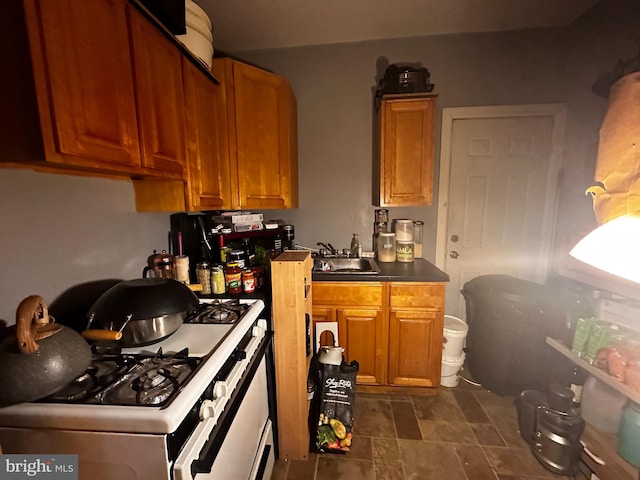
x=577, y=378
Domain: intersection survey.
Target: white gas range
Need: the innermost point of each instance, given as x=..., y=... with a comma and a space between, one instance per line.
x=216, y=425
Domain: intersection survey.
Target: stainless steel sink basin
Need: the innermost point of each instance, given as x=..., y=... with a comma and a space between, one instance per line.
x=347, y=266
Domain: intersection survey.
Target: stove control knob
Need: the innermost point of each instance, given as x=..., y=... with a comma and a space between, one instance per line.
x=220, y=389
x=257, y=331
x=208, y=409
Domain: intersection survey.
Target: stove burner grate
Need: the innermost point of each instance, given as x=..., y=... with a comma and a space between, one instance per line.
x=218, y=311
x=129, y=380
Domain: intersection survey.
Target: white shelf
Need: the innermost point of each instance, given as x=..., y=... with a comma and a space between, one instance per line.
x=596, y=372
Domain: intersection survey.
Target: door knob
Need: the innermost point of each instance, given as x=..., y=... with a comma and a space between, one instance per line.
x=454, y=238
x=454, y=254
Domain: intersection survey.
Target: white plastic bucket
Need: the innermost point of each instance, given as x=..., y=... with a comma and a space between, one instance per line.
x=454, y=335
x=449, y=371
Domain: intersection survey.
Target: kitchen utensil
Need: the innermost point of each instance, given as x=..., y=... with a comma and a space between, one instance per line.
x=37, y=356
x=163, y=265
x=592, y=455
x=144, y=311
x=330, y=355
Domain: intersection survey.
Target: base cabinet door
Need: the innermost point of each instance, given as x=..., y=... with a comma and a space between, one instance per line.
x=362, y=327
x=362, y=335
x=414, y=338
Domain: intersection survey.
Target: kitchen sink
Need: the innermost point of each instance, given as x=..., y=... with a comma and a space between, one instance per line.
x=366, y=266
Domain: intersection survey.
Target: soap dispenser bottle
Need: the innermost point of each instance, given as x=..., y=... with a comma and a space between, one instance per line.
x=356, y=249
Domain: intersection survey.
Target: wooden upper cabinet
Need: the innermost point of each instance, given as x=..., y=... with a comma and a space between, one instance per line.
x=157, y=66
x=95, y=87
x=209, y=175
x=262, y=129
x=84, y=84
x=406, y=151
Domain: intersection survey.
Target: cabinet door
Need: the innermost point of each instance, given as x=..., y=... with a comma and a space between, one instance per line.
x=265, y=139
x=415, y=347
x=361, y=333
x=209, y=177
x=160, y=94
x=406, y=163
x=83, y=76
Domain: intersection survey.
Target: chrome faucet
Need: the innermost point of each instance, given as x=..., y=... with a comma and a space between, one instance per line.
x=327, y=246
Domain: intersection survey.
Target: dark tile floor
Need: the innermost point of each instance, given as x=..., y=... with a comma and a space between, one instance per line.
x=463, y=433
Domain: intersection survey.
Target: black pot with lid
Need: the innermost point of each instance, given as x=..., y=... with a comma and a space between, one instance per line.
x=140, y=311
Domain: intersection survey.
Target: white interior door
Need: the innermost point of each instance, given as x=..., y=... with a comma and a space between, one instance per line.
x=498, y=185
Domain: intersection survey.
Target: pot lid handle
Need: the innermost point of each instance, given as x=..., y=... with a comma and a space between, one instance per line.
x=31, y=313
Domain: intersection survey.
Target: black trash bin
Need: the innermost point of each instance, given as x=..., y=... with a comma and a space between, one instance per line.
x=509, y=319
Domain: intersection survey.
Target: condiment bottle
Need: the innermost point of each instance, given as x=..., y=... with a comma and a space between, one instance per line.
x=218, y=284
x=182, y=269
x=237, y=256
x=258, y=273
x=248, y=282
x=233, y=275
x=356, y=250
x=203, y=274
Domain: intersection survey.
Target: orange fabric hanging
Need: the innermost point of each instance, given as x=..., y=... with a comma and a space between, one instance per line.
x=616, y=190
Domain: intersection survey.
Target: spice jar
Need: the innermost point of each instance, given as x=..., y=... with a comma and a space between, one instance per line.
x=248, y=282
x=218, y=284
x=233, y=276
x=386, y=247
x=382, y=215
x=203, y=274
x=418, y=232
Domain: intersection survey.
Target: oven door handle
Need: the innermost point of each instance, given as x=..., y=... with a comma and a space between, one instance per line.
x=182, y=466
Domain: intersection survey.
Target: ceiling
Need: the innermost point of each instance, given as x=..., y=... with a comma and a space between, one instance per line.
x=264, y=24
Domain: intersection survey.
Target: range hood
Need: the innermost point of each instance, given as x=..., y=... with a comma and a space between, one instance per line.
x=615, y=245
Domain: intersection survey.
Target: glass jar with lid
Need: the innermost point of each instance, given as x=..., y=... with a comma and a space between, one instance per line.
x=203, y=274
x=404, y=230
x=233, y=277
x=418, y=233
x=386, y=247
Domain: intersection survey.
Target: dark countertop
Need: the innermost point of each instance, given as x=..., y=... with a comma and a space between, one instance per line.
x=419, y=270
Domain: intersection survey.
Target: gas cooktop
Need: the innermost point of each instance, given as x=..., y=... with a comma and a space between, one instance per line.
x=129, y=379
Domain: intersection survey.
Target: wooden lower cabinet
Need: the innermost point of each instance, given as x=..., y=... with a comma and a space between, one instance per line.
x=412, y=359
x=393, y=330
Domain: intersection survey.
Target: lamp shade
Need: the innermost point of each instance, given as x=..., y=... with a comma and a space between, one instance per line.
x=613, y=247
